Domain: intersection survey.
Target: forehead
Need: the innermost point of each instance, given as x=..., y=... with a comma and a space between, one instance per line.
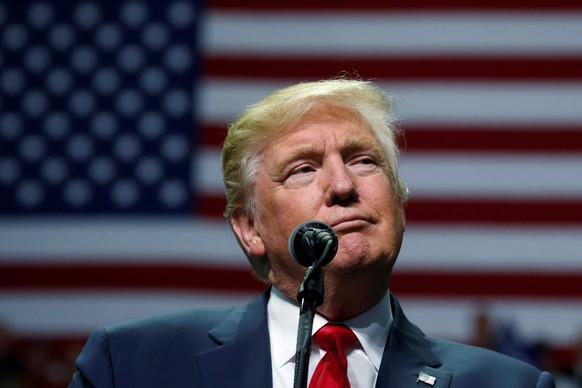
x=322, y=126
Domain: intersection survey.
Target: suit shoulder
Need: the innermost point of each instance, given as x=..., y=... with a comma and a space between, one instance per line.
x=160, y=350
x=136, y=352
x=184, y=328
x=198, y=318
x=472, y=363
x=456, y=352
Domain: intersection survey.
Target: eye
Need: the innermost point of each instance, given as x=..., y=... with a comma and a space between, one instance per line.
x=364, y=164
x=303, y=169
x=366, y=160
x=300, y=175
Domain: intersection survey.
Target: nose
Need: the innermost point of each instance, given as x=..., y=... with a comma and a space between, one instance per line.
x=339, y=185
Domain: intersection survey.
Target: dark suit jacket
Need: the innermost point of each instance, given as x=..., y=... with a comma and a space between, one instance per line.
x=229, y=347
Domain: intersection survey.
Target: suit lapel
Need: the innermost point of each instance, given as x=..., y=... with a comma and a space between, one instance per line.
x=407, y=360
x=243, y=356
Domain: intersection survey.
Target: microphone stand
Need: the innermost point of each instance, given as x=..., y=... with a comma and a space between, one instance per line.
x=310, y=296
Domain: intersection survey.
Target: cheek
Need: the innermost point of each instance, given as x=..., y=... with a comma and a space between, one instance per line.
x=275, y=225
x=285, y=213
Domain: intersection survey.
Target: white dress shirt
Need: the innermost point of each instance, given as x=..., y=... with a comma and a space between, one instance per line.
x=371, y=328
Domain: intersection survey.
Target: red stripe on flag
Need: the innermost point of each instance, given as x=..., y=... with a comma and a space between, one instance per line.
x=451, y=211
x=493, y=139
x=401, y=68
x=211, y=206
x=126, y=276
x=416, y=5
x=492, y=211
x=487, y=284
x=212, y=134
x=196, y=278
x=461, y=139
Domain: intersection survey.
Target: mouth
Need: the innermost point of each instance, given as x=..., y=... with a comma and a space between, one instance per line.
x=349, y=223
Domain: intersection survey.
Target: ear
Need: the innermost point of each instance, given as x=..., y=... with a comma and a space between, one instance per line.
x=403, y=201
x=247, y=235
x=402, y=204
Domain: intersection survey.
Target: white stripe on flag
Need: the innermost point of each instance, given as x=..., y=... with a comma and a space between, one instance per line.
x=392, y=34
x=541, y=103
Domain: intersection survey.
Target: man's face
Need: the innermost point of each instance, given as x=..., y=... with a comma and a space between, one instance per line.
x=328, y=167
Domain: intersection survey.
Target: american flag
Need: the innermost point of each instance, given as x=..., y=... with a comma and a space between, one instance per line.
x=112, y=115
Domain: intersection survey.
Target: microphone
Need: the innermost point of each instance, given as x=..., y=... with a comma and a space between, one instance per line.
x=313, y=242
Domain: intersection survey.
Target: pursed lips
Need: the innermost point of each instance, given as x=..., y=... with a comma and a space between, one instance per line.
x=349, y=222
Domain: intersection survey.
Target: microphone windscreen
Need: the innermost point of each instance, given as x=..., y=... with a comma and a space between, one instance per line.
x=309, y=240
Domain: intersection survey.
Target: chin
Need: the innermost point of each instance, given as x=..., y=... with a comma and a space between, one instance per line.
x=354, y=245
x=357, y=253
x=349, y=261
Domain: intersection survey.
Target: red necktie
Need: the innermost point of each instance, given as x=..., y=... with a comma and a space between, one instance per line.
x=332, y=370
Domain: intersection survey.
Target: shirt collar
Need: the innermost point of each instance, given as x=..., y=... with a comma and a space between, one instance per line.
x=371, y=328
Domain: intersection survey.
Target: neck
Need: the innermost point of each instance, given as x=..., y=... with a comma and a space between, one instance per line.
x=345, y=295
x=346, y=298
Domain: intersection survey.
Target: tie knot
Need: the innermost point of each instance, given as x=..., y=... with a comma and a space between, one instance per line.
x=331, y=337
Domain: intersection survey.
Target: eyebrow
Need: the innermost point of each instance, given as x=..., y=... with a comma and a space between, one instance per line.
x=351, y=145
x=357, y=143
x=301, y=152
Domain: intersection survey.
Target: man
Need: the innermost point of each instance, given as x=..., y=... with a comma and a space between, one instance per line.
x=321, y=151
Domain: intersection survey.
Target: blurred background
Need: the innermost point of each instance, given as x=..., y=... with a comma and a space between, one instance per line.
x=112, y=114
